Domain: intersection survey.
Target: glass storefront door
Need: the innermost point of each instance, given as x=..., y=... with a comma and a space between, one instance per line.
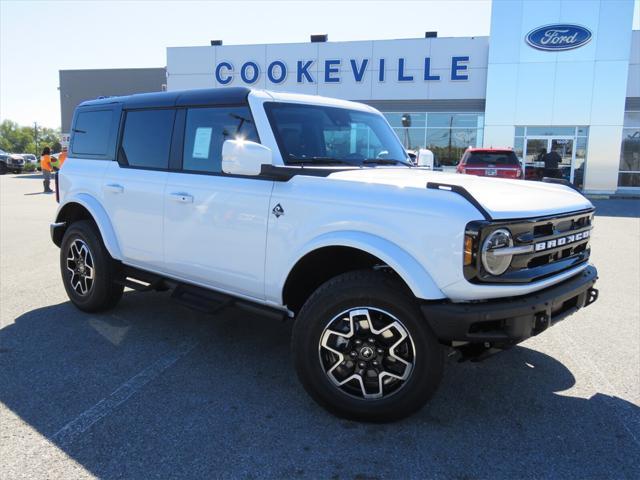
x=564, y=148
x=537, y=164
x=535, y=149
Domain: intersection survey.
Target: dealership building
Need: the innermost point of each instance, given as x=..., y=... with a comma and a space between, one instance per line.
x=552, y=75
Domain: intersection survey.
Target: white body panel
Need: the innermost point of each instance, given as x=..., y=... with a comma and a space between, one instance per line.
x=218, y=231
x=216, y=236
x=134, y=201
x=502, y=198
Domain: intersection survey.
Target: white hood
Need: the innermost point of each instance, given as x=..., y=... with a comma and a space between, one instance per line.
x=501, y=198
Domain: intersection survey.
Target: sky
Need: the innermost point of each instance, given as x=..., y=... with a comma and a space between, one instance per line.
x=39, y=38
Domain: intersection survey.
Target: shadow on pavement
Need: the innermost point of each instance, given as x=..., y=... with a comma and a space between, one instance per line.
x=233, y=408
x=617, y=207
x=38, y=193
x=29, y=176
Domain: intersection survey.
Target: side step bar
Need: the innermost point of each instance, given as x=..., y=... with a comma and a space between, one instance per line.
x=141, y=281
x=199, y=299
x=192, y=296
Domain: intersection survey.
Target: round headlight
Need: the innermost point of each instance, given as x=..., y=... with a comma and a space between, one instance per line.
x=494, y=261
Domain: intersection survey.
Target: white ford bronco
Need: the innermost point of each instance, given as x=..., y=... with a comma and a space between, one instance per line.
x=308, y=207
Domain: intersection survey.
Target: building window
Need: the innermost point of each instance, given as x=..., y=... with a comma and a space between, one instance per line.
x=447, y=135
x=629, y=170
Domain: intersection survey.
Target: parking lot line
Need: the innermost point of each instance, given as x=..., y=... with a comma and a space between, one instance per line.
x=76, y=427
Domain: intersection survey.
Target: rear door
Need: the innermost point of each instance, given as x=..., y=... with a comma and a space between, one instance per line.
x=133, y=187
x=215, y=225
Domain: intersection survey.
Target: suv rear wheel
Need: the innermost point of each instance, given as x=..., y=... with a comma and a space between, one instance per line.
x=88, y=272
x=363, y=350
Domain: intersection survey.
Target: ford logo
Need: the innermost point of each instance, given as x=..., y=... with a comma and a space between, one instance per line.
x=558, y=37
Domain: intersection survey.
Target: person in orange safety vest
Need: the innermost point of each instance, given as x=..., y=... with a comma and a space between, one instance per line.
x=45, y=165
x=62, y=157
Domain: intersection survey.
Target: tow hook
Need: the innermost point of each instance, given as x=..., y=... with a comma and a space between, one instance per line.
x=541, y=323
x=592, y=296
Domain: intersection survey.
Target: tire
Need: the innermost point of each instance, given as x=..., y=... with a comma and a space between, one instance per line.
x=355, y=307
x=92, y=286
x=3, y=168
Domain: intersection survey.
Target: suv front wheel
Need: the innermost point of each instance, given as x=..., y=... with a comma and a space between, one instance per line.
x=88, y=272
x=363, y=350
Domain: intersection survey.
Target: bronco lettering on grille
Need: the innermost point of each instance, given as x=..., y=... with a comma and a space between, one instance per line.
x=558, y=242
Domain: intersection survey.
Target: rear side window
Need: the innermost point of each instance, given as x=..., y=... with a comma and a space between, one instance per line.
x=493, y=158
x=93, y=133
x=205, y=132
x=146, y=139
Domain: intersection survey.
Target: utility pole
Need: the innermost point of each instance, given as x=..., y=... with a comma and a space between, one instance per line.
x=35, y=134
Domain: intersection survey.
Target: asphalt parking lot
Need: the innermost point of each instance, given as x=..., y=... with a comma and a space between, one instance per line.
x=154, y=390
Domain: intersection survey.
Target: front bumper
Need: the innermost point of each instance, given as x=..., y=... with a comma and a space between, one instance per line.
x=503, y=322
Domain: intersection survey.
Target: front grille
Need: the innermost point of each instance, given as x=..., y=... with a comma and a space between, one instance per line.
x=557, y=244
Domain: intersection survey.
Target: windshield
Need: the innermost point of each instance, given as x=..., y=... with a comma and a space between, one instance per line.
x=319, y=135
x=494, y=158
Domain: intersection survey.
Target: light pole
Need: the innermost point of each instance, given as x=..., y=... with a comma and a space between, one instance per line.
x=406, y=123
x=35, y=133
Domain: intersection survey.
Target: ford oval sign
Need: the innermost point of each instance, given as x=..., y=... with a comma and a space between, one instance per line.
x=558, y=37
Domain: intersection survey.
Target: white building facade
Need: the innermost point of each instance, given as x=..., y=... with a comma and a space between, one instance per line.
x=553, y=75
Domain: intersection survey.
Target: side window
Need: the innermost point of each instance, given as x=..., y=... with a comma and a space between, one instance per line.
x=92, y=132
x=146, y=139
x=205, y=132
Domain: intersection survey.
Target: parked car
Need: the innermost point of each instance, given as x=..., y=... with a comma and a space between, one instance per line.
x=11, y=162
x=30, y=158
x=490, y=162
x=31, y=162
x=260, y=200
x=4, y=156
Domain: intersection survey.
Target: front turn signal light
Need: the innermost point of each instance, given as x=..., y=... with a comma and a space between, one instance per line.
x=468, y=250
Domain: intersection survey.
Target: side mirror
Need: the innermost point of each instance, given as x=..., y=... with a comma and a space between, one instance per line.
x=242, y=157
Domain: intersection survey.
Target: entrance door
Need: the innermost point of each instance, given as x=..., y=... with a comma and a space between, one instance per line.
x=564, y=148
x=537, y=147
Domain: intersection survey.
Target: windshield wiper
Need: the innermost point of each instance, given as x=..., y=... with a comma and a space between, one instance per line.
x=385, y=161
x=318, y=161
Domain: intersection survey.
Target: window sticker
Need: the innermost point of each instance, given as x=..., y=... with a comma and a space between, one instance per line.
x=201, y=142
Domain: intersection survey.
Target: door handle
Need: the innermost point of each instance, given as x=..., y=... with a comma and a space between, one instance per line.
x=182, y=197
x=113, y=188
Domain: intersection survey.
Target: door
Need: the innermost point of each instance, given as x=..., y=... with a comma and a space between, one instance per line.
x=564, y=148
x=133, y=187
x=537, y=147
x=215, y=226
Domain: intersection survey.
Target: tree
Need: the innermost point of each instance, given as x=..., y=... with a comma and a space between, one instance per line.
x=17, y=139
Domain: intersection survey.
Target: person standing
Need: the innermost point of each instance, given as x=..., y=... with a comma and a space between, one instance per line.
x=551, y=162
x=62, y=157
x=45, y=165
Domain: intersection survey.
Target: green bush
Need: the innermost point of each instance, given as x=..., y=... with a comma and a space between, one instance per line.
x=29, y=167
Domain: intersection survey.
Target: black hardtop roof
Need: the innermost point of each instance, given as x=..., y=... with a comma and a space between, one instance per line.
x=179, y=98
